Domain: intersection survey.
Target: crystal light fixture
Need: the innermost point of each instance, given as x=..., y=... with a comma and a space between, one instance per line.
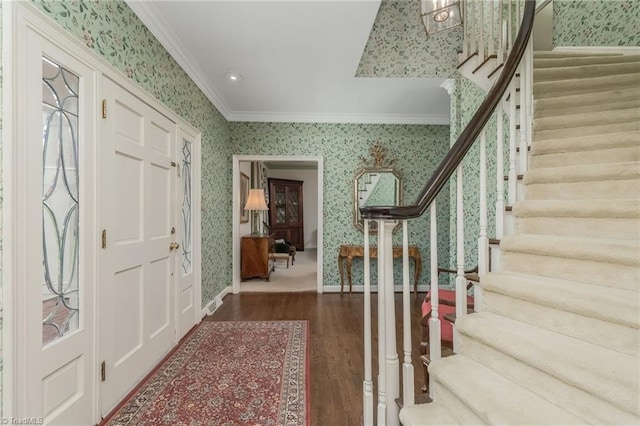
x=439, y=15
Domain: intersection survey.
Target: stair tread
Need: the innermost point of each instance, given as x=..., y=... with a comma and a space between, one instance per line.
x=542, y=63
x=426, y=414
x=571, y=360
x=584, y=248
x=614, y=305
x=494, y=398
x=591, y=69
x=587, y=119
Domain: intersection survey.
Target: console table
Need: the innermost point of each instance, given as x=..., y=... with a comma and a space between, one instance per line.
x=350, y=251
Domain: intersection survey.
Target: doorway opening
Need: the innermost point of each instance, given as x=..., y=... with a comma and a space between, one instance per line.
x=307, y=266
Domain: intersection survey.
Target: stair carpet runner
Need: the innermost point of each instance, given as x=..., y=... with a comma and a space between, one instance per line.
x=557, y=341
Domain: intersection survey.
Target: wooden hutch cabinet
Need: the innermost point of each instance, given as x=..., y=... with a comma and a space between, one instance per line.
x=254, y=256
x=286, y=211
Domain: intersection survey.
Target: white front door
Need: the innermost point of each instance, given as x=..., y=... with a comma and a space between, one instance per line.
x=138, y=261
x=55, y=267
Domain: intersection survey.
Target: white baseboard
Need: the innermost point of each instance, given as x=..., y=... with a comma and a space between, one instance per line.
x=214, y=304
x=374, y=288
x=624, y=50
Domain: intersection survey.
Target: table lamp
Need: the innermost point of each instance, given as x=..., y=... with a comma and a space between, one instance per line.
x=255, y=203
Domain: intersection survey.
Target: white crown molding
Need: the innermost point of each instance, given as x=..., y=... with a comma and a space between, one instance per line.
x=146, y=11
x=449, y=85
x=294, y=117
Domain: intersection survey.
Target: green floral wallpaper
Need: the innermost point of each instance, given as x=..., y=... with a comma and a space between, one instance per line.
x=398, y=45
x=596, y=23
x=111, y=29
x=417, y=149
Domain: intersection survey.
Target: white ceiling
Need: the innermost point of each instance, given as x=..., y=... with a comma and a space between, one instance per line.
x=297, y=59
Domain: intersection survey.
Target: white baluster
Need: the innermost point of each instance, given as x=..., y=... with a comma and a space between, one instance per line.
x=501, y=32
x=509, y=25
x=465, y=30
x=473, y=47
x=408, y=391
x=461, y=282
x=481, y=40
x=528, y=57
x=392, y=360
x=435, y=349
x=522, y=139
x=382, y=365
x=513, y=174
x=500, y=172
x=483, y=240
x=492, y=25
x=367, y=385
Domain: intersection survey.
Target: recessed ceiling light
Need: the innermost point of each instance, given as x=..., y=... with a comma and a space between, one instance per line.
x=233, y=77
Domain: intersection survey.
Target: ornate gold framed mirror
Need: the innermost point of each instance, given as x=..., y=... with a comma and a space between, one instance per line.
x=378, y=184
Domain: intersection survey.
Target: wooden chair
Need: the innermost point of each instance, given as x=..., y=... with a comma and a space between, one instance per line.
x=446, y=313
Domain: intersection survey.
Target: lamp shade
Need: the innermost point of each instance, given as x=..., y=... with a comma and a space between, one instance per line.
x=256, y=200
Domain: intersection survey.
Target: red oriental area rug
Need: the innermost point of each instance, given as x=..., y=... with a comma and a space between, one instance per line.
x=245, y=373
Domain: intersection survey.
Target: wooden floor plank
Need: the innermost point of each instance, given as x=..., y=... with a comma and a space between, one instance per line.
x=336, y=344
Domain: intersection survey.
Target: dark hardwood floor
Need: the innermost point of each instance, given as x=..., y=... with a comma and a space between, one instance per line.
x=336, y=344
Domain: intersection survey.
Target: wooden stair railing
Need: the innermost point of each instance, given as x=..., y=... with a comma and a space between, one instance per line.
x=389, y=367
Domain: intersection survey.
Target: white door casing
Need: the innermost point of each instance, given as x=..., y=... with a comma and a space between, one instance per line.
x=58, y=378
x=138, y=190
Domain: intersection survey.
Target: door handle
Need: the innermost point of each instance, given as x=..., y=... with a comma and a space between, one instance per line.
x=173, y=246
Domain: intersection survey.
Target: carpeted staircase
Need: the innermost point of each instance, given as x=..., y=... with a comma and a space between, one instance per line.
x=558, y=338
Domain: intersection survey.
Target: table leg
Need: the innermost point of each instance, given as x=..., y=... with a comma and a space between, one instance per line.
x=340, y=269
x=349, y=258
x=416, y=273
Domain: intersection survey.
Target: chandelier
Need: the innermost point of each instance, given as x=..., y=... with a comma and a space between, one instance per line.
x=439, y=15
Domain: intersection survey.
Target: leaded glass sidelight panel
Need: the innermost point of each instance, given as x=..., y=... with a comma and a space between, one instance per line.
x=60, y=202
x=187, y=216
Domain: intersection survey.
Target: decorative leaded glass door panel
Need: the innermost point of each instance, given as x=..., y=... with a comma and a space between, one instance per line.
x=57, y=114
x=286, y=211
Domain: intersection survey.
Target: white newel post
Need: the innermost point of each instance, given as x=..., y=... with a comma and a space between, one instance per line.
x=461, y=281
x=382, y=330
x=408, y=391
x=385, y=236
x=435, y=349
x=367, y=385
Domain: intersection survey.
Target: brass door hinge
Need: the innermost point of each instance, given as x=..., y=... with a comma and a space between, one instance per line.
x=103, y=371
x=104, y=108
x=104, y=238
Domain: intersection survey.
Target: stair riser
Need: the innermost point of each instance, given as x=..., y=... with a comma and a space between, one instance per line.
x=590, y=119
x=454, y=406
x=622, y=228
x=602, y=129
x=603, y=333
x=579, y=72
x=600, y=156
x=540, y=63
x=585, y=143
x=617, y=189
x=597, y=273
x=575, y=87
x=547, y=109
x=587, y=100
x=583, y=404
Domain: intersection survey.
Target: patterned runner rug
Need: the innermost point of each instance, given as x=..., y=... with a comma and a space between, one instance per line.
x=245, y=373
